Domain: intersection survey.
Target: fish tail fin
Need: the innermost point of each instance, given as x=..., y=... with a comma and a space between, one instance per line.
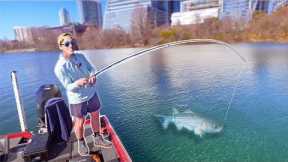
x=164, y=120
x=166, y=123
x=199, y=132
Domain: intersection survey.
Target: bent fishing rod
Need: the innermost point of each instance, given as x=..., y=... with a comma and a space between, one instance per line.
x=178, y=43
x=166, y=45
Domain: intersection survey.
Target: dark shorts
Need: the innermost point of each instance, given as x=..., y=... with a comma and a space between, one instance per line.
x=81, y=109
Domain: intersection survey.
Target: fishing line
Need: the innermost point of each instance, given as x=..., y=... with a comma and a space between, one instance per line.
x=177, y=43
x=229, y=103
x=236, y=85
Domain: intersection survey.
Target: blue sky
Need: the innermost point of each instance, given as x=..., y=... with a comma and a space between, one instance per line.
x=33, y=13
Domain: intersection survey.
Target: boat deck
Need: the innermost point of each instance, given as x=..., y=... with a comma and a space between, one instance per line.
x=63, y=152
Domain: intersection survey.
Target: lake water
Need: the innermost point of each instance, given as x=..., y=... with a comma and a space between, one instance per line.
x=200, y=78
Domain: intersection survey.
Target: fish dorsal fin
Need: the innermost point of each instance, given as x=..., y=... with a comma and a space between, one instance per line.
x=189, y=111
x=175, y=111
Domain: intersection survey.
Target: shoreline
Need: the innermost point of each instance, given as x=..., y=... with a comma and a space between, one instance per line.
x=148, y=46
x=20, y=50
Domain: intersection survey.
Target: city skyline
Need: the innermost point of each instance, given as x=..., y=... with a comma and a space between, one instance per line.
x=45, y=13
x=34, y=13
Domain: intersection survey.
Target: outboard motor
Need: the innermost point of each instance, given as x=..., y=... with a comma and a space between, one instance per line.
x=44, y=93
x=50, y=136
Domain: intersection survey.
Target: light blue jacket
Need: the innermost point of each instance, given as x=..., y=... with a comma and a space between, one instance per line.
x=72, y=69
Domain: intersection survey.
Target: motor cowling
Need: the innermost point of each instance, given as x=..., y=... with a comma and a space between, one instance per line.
x=43, y=94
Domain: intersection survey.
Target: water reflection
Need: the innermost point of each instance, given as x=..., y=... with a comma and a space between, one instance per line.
x=266, y=80
x=159, y=71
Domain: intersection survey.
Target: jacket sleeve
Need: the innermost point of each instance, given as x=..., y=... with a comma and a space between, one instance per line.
x=65, y=80
x=91, y=69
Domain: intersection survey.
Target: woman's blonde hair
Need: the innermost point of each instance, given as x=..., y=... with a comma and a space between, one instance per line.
x=62, y=36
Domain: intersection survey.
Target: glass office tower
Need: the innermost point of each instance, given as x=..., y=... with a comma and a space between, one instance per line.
x=120, y=13
x=90, y=12
x=64, y=17
x=189, y=5
x=244, y=9
x=236, y=9
x=269, y=6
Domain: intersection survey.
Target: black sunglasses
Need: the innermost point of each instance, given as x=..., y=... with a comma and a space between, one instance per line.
x=68, y=43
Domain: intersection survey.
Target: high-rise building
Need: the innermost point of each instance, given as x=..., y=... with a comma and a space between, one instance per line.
x=160, y=12
x=195, y=11
x=32, y=34
x=64, y=17
x=236, y=9
x=189, y=5
x=120, y=13
x=90, y=12
x=244, y=9
x=173, y=6
x=269, y=6
x=23, y=34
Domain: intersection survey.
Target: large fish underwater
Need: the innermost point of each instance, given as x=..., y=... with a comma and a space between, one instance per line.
x=190, y=121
